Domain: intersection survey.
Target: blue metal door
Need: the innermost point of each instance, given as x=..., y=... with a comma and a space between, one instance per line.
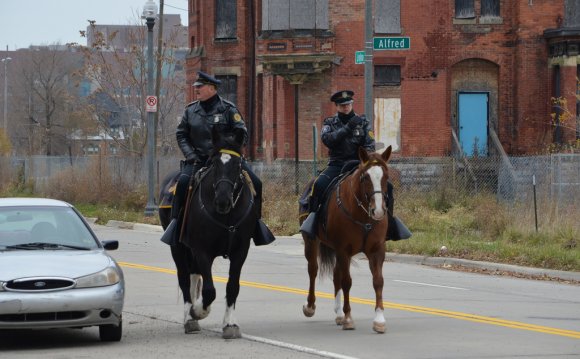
x=473, y=123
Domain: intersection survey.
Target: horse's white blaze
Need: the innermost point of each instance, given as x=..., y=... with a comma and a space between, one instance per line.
x=379, y=316
x=375, y=174
x=338, y=303
x=229, y=317
x=225, y=158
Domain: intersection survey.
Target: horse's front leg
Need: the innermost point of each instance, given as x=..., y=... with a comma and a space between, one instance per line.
x=376, y=261
x=230, y=328
x=182, y=257
x=337, y=281
x=311, y=248
x=343, y=263
x=203, y=278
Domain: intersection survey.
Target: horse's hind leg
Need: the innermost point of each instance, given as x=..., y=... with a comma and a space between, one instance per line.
x=376, y=260
x=182, y=256
x=311, y=248
x=343, y=263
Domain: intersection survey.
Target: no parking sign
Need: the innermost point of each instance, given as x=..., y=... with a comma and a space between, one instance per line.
x=151, y=104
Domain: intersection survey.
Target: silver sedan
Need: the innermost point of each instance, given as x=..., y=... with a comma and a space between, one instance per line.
x=54, y=272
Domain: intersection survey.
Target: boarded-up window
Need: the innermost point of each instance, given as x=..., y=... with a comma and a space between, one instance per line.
x=489, y=7
x=572, y=13
x=464, y=9
x=226, y=21
x=294, y=15
x=387, y=75
x=229, y=87
x=388, y=16
x=388, y=122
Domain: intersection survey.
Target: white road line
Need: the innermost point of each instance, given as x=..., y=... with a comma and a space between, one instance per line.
x=429, y=285
x=290, y=346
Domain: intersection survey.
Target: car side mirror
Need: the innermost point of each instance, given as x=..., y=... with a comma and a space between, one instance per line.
x=110, y=245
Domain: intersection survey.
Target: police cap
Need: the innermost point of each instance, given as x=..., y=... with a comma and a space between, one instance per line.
x=206, y=79
x=343, y=97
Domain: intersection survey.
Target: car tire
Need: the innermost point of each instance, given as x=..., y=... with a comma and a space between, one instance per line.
x=111, y=332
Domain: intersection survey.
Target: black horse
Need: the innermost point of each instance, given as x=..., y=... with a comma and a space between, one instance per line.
x=219, y=221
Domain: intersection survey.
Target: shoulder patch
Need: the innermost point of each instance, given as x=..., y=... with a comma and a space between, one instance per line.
x=237, y=117
x=372, y=135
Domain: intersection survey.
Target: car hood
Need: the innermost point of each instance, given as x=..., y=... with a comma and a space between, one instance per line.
x=41, y=263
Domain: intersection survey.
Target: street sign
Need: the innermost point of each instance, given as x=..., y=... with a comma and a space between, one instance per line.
x=359, y=57
x=391, y=43
x=151, y=104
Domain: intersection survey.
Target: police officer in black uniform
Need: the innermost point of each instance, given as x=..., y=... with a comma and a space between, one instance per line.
x=195, y=141
x=343, y=134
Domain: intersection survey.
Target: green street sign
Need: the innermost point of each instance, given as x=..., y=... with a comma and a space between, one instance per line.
x=391, y=43
x=359, y=57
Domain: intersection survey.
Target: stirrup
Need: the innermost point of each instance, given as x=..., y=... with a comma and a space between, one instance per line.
x=262, y=235
x=308, y=227
x=397, y=230
x=170, y=235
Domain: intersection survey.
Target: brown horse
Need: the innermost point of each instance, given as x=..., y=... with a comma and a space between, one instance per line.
x=355, y=221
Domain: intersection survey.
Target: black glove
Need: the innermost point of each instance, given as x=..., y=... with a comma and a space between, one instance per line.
x=354, y=122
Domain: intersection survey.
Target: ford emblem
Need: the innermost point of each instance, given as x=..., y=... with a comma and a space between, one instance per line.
x=39, y=284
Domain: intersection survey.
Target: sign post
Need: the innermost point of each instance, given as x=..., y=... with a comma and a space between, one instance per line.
x=151, y=104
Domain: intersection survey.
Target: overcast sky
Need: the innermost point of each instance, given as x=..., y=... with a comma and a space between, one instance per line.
x=42, y=22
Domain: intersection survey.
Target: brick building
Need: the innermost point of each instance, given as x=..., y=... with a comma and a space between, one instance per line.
x=448, y=74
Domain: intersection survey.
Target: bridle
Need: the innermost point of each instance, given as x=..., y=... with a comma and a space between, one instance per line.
x=366, y=226
x=232, y=228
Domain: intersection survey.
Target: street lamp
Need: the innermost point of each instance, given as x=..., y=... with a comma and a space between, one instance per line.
x=5, y=61
x=149, y=13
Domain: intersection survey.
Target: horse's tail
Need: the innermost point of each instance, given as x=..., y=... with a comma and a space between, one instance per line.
x=327, y=260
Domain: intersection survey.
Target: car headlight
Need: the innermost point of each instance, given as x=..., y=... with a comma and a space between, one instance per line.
x=103, y=278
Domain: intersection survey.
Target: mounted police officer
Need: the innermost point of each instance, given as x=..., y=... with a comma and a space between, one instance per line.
x=343, y=134
x=195, y=141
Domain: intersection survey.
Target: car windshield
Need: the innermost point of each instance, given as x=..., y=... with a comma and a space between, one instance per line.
x=42, y=228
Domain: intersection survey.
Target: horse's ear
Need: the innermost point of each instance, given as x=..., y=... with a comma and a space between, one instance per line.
x=387, y=153
x=363, y=155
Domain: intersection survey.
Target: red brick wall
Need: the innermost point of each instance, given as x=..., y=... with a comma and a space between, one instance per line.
x=515, y=47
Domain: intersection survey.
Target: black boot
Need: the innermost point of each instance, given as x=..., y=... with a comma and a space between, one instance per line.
x=171, y=234
x=397, y=229
x=262, y=234
x=308, y=227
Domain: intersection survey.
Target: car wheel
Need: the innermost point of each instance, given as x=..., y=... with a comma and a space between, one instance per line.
x=110, y=332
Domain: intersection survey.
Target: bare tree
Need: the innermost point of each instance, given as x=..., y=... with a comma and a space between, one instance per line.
x=116, y=64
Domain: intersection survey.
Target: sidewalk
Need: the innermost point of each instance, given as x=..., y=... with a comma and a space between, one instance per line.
x=445, y=262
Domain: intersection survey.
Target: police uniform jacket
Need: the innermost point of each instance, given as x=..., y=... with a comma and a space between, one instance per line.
x=343, y=142
x=194, y=131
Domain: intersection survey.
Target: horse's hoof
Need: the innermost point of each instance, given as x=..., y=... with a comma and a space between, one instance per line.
x=348, y=324
x=191, y=326
x=339, y=320
x=379, y=327
x=231, y=332
x=308, y=311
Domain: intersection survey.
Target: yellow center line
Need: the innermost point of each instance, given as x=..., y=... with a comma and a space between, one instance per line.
x=405, y=307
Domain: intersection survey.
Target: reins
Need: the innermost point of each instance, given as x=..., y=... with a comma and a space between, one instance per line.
x=367, y=227
x=230, y=228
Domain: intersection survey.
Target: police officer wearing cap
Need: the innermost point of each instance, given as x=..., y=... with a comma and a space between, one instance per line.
x=195, y=141
x=343, y=134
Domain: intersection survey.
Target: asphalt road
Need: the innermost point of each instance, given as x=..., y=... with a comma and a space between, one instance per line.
x=431, y=313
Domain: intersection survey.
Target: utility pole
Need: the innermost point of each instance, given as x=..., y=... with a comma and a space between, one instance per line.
x=369, y=100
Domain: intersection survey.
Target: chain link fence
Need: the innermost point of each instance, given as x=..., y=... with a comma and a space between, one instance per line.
x=553, y=179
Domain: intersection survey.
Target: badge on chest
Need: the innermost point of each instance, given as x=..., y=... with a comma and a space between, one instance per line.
x=218, y=118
